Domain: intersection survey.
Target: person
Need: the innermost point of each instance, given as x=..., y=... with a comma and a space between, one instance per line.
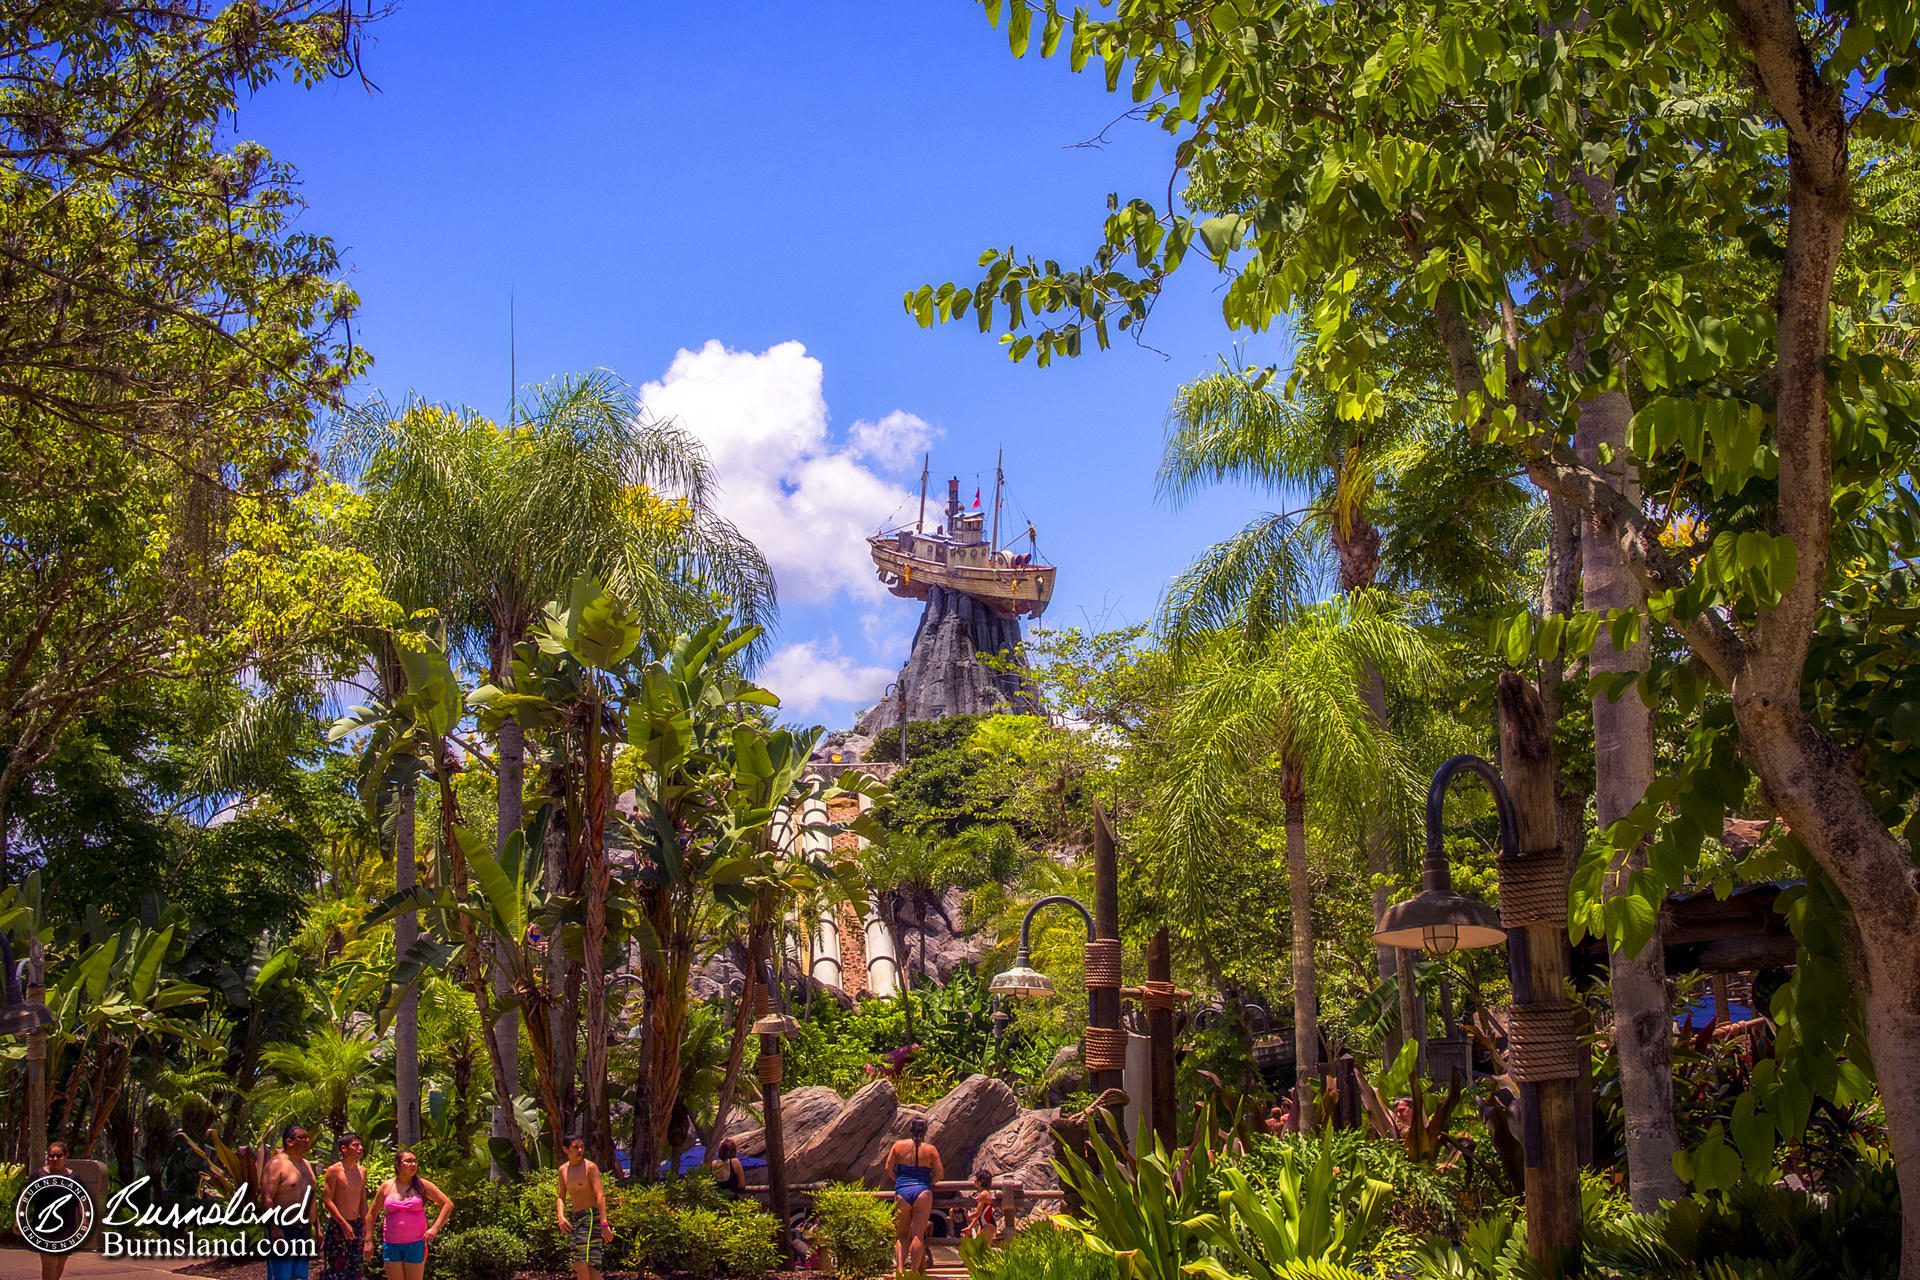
x=287, y=1186
x=401, y=1203
x=52, y=1266
x=1280, y=1118
x=915, y=1166
x=344, y=1196
x=981, y=1221
x=727, y=1169
x=581, y=1207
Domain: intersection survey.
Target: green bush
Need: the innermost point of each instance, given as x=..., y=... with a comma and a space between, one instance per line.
x=856, y=1228
x=12, y=1178
x=1038, y=1252
x=684, y=1226
x=484, y=1253
x=751, y=1241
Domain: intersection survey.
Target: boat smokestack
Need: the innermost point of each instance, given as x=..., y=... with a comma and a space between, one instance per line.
x=953, y=499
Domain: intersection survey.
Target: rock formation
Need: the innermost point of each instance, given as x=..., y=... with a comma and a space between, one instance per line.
x=944, y=675
x=979, y=1124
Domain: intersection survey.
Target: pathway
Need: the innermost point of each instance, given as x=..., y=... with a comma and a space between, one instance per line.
x=24, y=1264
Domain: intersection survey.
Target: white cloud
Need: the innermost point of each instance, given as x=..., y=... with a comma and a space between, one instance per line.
x=810, y=673
x=895, y=442
x=806, y=501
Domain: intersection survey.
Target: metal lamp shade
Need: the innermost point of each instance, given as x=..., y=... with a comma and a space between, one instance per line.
x=1440, y=921
x=25, y=1019
x=775, y=1024
x=1021, y=980
x=18, y=1015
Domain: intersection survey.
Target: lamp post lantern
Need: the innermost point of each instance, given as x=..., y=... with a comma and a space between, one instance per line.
x=1544, y=1053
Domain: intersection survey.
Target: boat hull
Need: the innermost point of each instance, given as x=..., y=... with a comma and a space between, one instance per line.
x=1015, y=591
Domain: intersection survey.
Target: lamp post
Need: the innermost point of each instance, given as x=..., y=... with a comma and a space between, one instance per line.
x=1544, y=1053
x=26, y=1014
x=898, y=690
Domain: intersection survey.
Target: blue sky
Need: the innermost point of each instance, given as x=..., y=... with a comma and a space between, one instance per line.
x=723, y=205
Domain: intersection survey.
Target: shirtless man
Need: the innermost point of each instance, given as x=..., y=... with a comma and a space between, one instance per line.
x=289, y=1184
x=581, y=1208
x=346, y=1203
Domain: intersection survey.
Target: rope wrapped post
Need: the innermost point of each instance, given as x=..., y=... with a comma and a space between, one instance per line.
x=769, y=1071
x=1546, y=1053
x=1103, y=952
x=1161, y=999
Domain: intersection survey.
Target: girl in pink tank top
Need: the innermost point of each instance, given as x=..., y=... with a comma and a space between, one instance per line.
x=401, y=1203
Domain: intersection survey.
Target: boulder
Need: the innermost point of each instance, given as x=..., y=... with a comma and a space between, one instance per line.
x=803, y=1113
x=870, y=1168
x=1022, y=1152
x=939, y=931
x=847, y=1139
x=966, y=1117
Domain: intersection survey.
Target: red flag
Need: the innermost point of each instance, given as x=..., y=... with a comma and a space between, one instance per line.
x=976, y=499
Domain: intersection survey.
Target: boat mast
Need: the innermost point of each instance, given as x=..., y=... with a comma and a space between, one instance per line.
x=920, y=525
x=993, y=544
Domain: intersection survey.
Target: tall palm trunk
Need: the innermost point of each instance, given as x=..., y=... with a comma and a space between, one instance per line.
x=511, y=750
x=406, y=931
x=1306, y=1018
x=477, y=956
x=562, y=875
x=599, y=882
x=1623, y=769
x=1356, y=549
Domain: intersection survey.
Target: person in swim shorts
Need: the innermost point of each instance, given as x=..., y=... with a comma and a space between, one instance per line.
x=581, y=1208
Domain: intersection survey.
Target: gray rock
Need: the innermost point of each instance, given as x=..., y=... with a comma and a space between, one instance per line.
x=943, y=930
x=803, y=1113
x=870, y=1167
x=960, y=1122
x=1022, y=1152
x=848, y=1138
x=943, y=675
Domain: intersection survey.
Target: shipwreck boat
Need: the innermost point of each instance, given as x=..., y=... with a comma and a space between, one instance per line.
x=964, y=554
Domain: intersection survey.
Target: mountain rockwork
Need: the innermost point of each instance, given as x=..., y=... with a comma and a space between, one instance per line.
x=944, y=675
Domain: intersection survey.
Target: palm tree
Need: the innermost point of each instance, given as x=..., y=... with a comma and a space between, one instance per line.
x=1292, y=702
x=315, y=1080
x=486, y=524
x=1232, y=426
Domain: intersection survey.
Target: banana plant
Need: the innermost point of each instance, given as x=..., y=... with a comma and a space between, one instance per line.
x=1304, y=1213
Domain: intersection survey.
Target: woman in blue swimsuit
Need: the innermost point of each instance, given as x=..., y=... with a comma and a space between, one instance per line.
x=915, y=1166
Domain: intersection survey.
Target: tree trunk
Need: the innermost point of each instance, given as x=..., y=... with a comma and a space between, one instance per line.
x=737, y=1050
x=563, y=979
x=1306, y=1018
x=478, y=955
x=1558, y=593
x=511, y=750
x=1356, y=549
x=599, y=881
x=1623, y=769
x=406, y=931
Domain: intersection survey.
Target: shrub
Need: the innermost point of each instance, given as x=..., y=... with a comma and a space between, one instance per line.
x=856, y=1228
x=484, y=1253
x=750, y=1242
x=527, y=1211
x=704, y=1234
x=1039, y=1252
x=13, y=1177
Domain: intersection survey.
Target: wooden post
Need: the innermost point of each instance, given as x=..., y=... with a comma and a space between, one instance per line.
x=1104, y=1001
x=1160, y=1046
x=770, y=1110
x=36, y=1153
x=1539, y=965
